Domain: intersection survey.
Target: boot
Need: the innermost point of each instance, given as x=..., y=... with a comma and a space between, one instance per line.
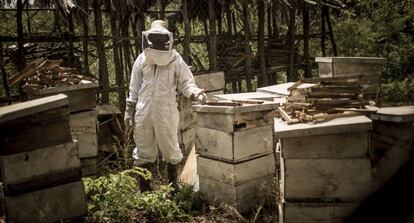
x=172, y=176
x=144, y=184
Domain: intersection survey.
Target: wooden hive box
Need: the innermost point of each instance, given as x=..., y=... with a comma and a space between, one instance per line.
x=81, y=96
x=34, y=124
x=326, y=161
x=83, y=127
x=47, y=205
x=234, y=134
x=369, y=67
x=392, y=141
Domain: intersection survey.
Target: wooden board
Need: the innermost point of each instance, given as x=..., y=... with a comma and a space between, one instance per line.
x=233, y=122
x=80, y=99
x=83, y=128
x=280, y=90
x=335, y=146
x=186, y=139
x=234, y=147
x=212, y=94
x=300, y=212
x=238, y=109
x=89, y=166
x=242, y=197
x=246, y=96
x=325, y=179
x=38, y=130
x=369, y=60
x=22, y=167
x=210, y=81
x=20, y=110
x=187, y=118
x=395, y=114
x=236, y=174
x=47, y=205
x=339, y=125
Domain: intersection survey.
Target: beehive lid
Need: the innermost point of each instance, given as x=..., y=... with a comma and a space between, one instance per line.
x=377, y=60
x=236, y=109
x=246, y=96
x=23, y=109
x=339, y=125
x=395, y=114
x=281, y=89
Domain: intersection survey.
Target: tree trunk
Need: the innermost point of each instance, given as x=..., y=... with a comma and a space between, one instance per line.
x=71, y=57
x=187, y=32
x=3, y=72
x=20, y=57
x=115, y=53
x=247, y=50
x=84, y=16
x=126, y=46
x=292, y=29
x=305, y=14
x=323, y=31
x=274, y=18
x=331, y=34
x=100, y=48
x=213, y=36
x=263, y=81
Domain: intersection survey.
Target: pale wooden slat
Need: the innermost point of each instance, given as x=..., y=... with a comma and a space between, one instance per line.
x=246, y=96
x=395, y=114
x=339, y=125
x=47, y=205
x=214, y=143
x=24, y=166
x=236, y=174
x=237, y=109
x=378, y=60
x=23, y=109
x=83, y=129
x=335, y=146
x=210, y=81
x=344, y=179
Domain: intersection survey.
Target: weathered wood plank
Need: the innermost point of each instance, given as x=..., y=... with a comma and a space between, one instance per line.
x=234, y=147
x=368, y=60
x=48, y=205
x=292, y=212
x=89, y=166
x=20, y=110
x=339, y=125
x=83, y=129
x=217, y=121
x=335, y=146
x=242, y=197
x=34, y=131
x=187, y=139
x=395, y=114
x=24, y=166
x=187, y=118
x=236, y=174
x=246, y=96
x=212, y=94
x=210, y=81
x=344, y=179
x=238, y=109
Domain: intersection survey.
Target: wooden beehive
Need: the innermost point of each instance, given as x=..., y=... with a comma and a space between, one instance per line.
x=369, y=67
x=83, y=127
x=325, y=168
x=81, y=96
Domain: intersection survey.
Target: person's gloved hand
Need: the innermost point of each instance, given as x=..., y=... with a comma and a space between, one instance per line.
x=199, y=96
x=129, y=114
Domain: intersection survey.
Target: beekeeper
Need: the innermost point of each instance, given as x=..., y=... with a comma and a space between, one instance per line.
x=152, y=106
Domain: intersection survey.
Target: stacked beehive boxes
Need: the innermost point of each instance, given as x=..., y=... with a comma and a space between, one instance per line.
x=392, y=141
x=235, y=152
x=212, y=83
x=325, y=169
x=40, y=167
x=369, y=67
x=83, y=119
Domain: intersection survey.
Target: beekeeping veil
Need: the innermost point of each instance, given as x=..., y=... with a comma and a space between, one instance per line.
x=157, y=44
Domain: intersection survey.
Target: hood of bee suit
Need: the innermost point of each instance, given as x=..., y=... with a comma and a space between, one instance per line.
x=154, y=56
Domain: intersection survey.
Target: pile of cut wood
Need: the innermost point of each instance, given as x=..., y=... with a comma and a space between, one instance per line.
x=44, y=73
x=322, y=99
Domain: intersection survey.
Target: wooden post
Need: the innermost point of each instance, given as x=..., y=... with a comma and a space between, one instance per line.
x=71, y=34
x=292, y=29
x=331, y=35
x=126, y=44
x=115, y=54
x=323, y=32
x=274, y=18
x=20, y=60
x=247, y=50
x=100, y=48
x=187, y=32
x=161, y=9
x=213, y=35
x=3, y=72
x=263, y=81
x=305, y=16
x=85, y=29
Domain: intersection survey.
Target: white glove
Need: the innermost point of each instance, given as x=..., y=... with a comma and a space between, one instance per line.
x=199, y=96
x=129, y=114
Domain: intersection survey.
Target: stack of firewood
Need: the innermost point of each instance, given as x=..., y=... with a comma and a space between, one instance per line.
x=322, y=99
x=44, y=73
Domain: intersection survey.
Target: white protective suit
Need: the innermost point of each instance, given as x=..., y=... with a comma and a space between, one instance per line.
x=156, y=75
